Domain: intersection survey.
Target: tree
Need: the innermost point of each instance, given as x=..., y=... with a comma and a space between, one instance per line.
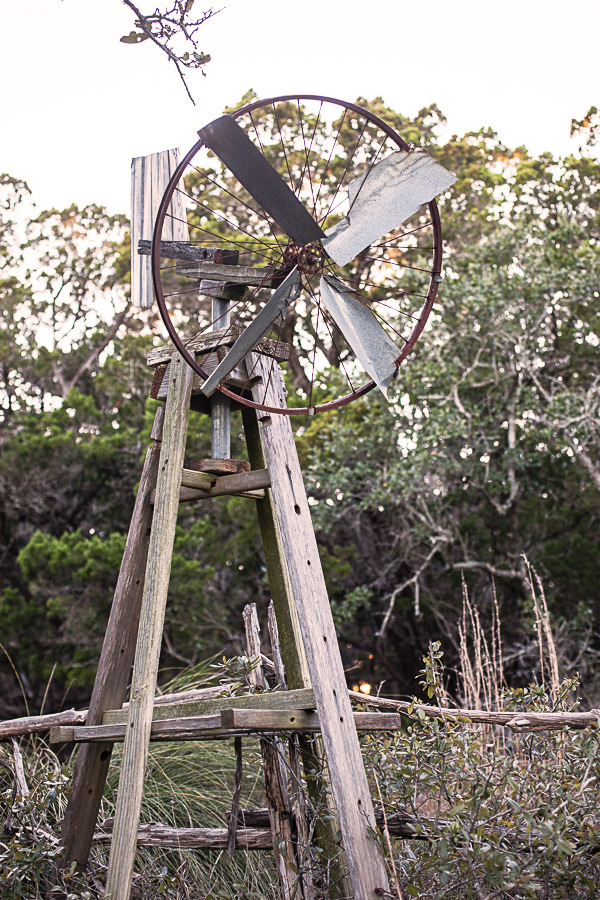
x=490, y=448
x=75, y=420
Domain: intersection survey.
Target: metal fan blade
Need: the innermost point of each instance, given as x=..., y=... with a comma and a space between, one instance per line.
x=234, y=148
x=283, y=297
x=389, y=194
x=372, y=345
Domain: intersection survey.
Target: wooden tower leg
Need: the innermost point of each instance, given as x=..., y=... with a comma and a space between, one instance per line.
x=114, y=667
x=275, y=779
x=296, y=666
x=160, y=551
x=345, y=764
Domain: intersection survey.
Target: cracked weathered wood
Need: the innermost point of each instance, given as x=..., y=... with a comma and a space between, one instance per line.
x=37, y=724
x=155, y=834
x=254, y=834
x=191, y=252
x=160, y=551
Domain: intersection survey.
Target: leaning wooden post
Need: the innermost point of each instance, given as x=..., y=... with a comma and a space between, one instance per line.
x=296, y=666
x=114, y=667
x=160, y=551
x=347, y=774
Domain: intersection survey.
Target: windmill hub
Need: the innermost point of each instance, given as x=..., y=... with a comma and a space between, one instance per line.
x=309, y=258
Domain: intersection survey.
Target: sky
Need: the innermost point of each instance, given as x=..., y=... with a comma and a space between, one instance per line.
x=77, y=104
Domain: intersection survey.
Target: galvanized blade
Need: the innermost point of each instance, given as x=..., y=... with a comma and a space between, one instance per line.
x=372, y=345
x=284, y=296
x=234, y=148
x=389, y=194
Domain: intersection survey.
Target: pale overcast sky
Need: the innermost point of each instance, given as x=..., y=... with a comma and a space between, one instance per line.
x=77, y=104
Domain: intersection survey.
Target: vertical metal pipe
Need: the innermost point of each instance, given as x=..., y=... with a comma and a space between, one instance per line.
x=220, y=406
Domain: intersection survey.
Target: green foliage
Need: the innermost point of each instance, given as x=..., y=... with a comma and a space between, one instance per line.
x=184, y=783
x=489, y=446
x=513, y=814
x=31, y=807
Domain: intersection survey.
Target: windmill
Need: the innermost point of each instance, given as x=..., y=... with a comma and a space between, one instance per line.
x=298, y=228
x=324, y=191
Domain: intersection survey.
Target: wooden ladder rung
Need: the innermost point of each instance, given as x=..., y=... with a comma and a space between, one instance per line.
x=201, y=485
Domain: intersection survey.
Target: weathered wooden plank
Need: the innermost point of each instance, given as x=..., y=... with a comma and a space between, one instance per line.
x=270, y=719
x=296, y=666
x=200, y=343
x=187, y=728
x=254, y=275
x=300, y=699
x=114, y=667
x=220, y=466
x=227, y=722
x=155, y=834
x=211, y=340
x=302, y=720
x=150, y=176
x=348, y=779
x=242, y=483
x=201, y=481
x=190, y=252
x=36, y=724
x=147, y=655
x=238, y=378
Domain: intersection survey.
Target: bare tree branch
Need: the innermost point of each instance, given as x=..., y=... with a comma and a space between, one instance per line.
x=163, y=26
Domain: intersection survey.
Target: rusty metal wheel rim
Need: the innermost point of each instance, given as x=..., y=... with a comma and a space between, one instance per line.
x=433, y=271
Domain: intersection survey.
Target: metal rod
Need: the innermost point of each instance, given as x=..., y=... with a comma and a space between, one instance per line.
x=220, y=406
